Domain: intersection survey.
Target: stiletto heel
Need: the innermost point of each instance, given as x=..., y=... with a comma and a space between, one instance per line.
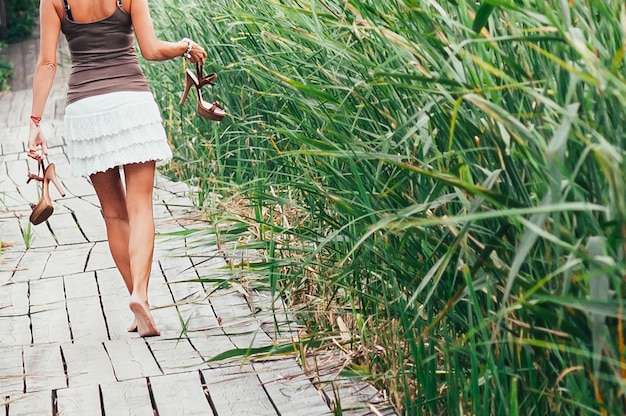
x=189, y=82
x=43, y=209
x=210, y=111
x=51, y=174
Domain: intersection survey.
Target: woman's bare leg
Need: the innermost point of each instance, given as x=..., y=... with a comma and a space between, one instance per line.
x=112, y=196
x=110, y=191
x=139, y=184
x=130, y=230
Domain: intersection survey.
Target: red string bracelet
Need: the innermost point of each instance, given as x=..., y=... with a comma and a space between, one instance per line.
x=35, y=120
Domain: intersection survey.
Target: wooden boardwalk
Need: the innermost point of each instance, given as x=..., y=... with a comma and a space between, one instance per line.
x=64, y=348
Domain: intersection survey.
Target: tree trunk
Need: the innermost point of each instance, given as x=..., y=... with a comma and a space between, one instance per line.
x=4, y=28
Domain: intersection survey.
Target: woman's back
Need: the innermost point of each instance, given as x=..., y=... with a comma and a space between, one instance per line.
x=103, y=50
x=86, y=11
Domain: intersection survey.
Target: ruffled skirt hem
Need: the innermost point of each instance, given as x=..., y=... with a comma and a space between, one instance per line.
x=112, y=130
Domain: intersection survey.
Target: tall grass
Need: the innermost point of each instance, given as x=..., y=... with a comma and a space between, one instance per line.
x=445, y=177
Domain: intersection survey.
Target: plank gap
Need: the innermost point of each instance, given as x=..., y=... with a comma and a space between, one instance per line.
x=30, y=327
x=69, y=323
x=267, y=393
x=64, y=362
x=151, y=394
x=104, y=315
x=154, y=357
x=114, y=374
x=23, y=375
x=55, y=403
x=207, y=394
x=54, y=237
x=73, y=214
x=101, y=397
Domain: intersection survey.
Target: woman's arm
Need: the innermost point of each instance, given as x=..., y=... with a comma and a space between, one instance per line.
x=154, y=49
x=45, y=70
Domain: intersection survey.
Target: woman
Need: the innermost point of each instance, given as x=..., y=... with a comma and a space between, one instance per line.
x=111, y=121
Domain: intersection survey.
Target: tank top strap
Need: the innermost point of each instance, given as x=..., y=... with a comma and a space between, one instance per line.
x=68, y=12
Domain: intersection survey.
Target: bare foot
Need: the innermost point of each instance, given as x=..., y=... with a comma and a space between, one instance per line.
x=145, y=324
x=133, y=326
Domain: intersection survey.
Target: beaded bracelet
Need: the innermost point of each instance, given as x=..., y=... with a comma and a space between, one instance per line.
x=187, y=53
x=35, y=120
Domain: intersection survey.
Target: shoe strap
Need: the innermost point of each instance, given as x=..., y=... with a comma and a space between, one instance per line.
x=41, y=170
x=202, y=80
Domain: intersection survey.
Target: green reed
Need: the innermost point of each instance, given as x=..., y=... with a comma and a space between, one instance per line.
x=445, y=177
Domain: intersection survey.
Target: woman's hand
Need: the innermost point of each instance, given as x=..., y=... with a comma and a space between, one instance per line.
x=196, y=53
x=36, y=139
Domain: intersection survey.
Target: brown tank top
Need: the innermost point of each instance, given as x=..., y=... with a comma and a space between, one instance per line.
x=103, y=56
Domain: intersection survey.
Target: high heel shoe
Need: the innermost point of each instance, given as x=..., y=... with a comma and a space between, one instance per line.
x=43, y=209
x=210, y=111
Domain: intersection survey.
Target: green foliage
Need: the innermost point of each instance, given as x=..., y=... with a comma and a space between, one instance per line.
x=5, y=71
x=21, y=18
x=446, y=177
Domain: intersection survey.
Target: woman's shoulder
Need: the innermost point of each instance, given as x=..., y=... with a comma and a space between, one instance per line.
x=56, y=5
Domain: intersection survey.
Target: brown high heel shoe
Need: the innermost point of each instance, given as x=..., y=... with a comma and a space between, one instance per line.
x=210, y=111
x=43, y=209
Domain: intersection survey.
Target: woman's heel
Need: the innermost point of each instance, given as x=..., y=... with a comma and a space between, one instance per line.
x=189, y=82
x=50, y=175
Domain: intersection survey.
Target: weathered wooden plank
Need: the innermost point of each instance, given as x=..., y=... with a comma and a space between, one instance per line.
x=11, y=371
x=79, y=401
x=180, y=394
x=197, y=317
x=9, y=262
x=11, y=233
x=81, y=207
x=43, y=367
x=164, y=312
x=110, y=282
x=14, y=320
x=276, y=320
x=16, y=112
x=233, y=312
x=100, y=257
x=31, y=404
x=175, y=355
x=48, y=314
x=55, y=136
x=31, y=265
x=64, y=227
x=291, y=391
x=117, y=315
x=88, y=216
x=131, y=359
x=67, y=260
x=237, y=390
x=87, y=364
x=83, y=307
x=81, y=285
x=189, y=295
x=212, y=264
x=114, y=298
x=78, y=187
x=254, y=339
x=127, y=398
x=17, y=171
x=354, y=397
x=210, y=347
x=37, y=236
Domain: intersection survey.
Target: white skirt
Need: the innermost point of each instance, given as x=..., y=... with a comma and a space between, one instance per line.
x=112, y=130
